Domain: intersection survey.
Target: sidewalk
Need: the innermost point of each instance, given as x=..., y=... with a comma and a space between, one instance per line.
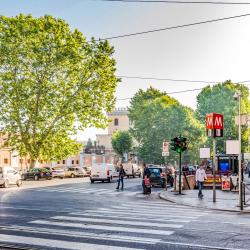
x=225, y=200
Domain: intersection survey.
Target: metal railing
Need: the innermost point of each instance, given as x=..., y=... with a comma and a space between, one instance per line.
x=245, y=188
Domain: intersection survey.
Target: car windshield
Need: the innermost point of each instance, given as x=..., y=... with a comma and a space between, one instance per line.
x=155, y=172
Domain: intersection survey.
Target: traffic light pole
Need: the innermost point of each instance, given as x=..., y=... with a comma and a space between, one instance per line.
x=180, y=174
x=214, y=163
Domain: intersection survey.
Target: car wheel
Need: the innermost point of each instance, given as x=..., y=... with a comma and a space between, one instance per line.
x=109, y=179
x=139, y=175
x=72, y=176
x=134, y=176
x=6, y=184
x=61, y=178
x=19, y=183
x=92, y=181
x=36, y=177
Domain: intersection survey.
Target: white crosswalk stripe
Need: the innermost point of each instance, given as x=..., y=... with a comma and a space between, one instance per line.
x=86, y=190
x=142, y=223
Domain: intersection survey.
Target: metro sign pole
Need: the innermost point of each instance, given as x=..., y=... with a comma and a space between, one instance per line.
x=214, y=126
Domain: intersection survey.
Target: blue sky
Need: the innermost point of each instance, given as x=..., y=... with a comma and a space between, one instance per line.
x=210, y=52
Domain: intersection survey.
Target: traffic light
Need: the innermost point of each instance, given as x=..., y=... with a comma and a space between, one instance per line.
x=173, y=144
x=179, y=144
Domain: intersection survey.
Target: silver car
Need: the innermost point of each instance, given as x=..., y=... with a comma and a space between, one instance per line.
x=8, y=176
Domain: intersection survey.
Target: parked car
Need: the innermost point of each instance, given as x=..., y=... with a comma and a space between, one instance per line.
x=132, y=169
x=38, y=173
x=74, y=172
x=157, y=176
x=8, y=176
x=58, y=172
x=87, y=170
x=103, y=172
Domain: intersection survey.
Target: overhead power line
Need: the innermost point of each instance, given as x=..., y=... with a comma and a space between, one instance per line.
x=170, y=93
x=175, y=27
x=175, y=80
x=179, y=2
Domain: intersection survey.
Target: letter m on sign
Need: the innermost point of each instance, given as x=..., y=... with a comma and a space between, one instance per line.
x=218, y=121
x=209, y=121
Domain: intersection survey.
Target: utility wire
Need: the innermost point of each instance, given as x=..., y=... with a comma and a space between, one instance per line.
x=170, y=93
x=175, y=27
x=175, y=80
x=178, y=2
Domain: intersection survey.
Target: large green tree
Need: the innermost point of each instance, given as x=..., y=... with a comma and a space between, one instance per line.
x=51, y=77
x=219, y=99
x=122, y=142
x=162, y=117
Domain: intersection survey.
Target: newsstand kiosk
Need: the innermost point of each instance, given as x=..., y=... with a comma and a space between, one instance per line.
x=226, y=175
x=228, y=170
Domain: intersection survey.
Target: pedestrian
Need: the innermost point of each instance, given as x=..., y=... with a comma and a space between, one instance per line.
x=248, y=169
x=146, y=171
x=200, y=177
x=122, y=173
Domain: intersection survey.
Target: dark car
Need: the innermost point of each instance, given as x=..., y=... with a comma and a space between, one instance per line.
x=157, y=176
x=38, y=173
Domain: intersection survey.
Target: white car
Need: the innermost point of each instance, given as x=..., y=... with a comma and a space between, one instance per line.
x=8, y=176
x=102, y=172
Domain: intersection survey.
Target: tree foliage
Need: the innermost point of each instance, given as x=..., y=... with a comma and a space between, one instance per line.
x=51, y=77
x=219, y=99
x=162, y=117
x=122, y=142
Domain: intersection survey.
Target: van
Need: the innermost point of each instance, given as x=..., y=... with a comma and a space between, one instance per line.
x=8, y=176
x=132, y=169
x=102, y=172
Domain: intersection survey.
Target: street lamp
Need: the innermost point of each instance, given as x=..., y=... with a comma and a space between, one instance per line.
x=237, y=97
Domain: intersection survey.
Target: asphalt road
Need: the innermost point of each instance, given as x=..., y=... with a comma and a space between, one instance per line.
x=96, y=216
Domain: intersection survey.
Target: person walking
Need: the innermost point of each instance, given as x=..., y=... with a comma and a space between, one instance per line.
x=200, y=177
x=248, y=169
x=122, y=173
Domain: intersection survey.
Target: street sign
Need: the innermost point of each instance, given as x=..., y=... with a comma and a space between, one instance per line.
x=165, y=153
x=165, y=146
x=246, y=156
x=214, y=125
x=204, y=153
x=232, y=147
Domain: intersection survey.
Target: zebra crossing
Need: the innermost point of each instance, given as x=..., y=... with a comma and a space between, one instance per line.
x=128, y=226
x=88, y=190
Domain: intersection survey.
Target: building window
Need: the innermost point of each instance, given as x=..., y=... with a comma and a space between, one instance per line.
x=63, y=161
x=77, y=162
x=73, y=162
x=58, y=162
x=116, y=122
x=5, y=160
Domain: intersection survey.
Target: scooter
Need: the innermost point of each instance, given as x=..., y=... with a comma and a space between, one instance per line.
x=146, y=186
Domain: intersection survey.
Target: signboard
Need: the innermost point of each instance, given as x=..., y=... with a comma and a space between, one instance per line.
x=225, y=183
x=214, y=125
x=165, y=153
x=246, y=156
x=232, y=147
x=165, y=148
x=204, y=153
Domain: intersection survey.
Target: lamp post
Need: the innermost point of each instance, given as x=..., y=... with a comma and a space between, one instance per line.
x=237, y=96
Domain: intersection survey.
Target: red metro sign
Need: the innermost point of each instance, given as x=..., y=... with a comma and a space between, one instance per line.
x=214, y=125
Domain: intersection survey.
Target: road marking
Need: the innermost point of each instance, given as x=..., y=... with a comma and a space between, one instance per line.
x=119, y=222
x=97, y=214
x=135, y=206
x=160, y=212
x=56, y=243
x=155, y=214
x=103, y=227
x=100, y=236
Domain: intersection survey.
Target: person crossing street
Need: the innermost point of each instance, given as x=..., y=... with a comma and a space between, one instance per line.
x=200, y=177
x=122, y=173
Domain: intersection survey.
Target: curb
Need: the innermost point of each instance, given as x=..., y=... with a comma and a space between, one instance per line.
x=167, y=198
